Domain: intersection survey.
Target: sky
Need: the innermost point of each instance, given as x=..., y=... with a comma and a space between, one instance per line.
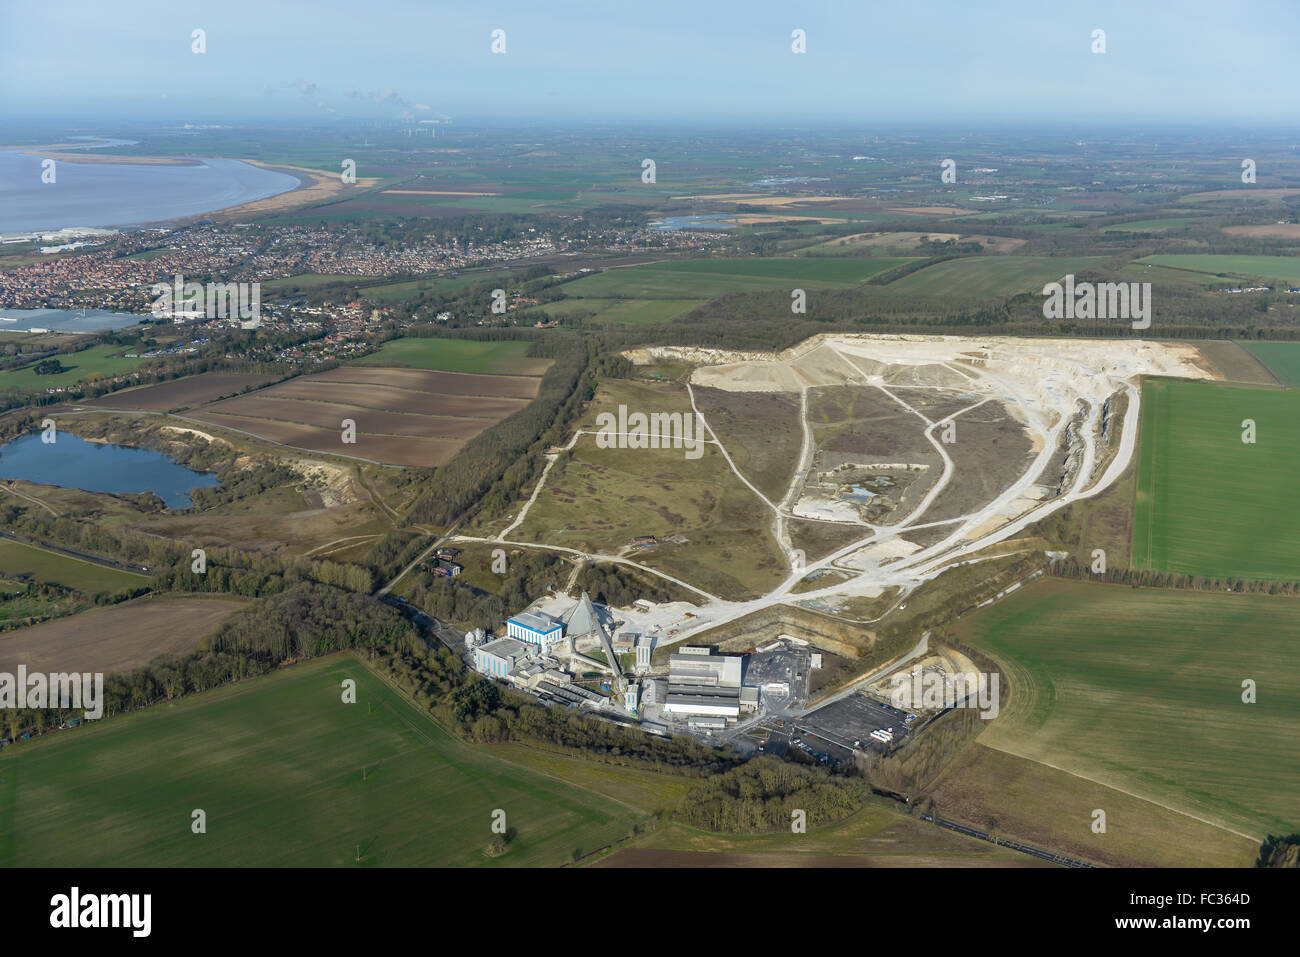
x=623, y=61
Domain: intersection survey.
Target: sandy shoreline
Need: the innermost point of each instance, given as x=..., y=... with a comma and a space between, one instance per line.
x=314, y=186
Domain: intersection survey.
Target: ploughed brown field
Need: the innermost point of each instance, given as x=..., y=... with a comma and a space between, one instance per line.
x=402, y=416
x=392, y=399
x=444, y=383
x=182, y=393
x=117, y=638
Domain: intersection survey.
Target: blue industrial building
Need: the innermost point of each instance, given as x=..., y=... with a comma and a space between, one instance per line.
x=535, y=629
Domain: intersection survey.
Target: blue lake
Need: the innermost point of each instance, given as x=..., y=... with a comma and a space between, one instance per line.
x=72, y=462
x=124, y=194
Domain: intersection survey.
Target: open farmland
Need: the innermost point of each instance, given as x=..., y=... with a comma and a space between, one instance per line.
x=95, y=362
x=1261, y=267
x=1281, y=358
x=706, y=278
x=45, y=566
x=1045, y=807
x=1149, y=225
x=994, y=277
x=618, y=312
x=288, y=777
x=1140, y=690
x=876, y=835
x=186, y=393
x=1208, y=503
x=456, y=355
x=402, y=416
x=307, y=280
x=117, y=638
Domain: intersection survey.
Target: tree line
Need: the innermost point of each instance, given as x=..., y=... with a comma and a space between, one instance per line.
x=764, y=794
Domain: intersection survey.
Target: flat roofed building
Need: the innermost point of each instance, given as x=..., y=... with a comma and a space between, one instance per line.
x=700, y=683
x=534, y=628
x=654, y=690
x=689, y=699
x=644, y=646
x=499, y=658
x=710, y=724
x=713, y=670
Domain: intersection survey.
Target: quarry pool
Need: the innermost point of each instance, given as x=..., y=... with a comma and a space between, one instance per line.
x=73, y=462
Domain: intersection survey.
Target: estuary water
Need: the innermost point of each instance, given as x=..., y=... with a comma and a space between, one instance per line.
x=124, y=194
x=64, y=320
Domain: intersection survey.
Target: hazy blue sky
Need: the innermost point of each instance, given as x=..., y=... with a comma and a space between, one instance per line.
x=915, y=60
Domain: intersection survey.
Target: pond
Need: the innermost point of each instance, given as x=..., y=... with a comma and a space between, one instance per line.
x=72, y=462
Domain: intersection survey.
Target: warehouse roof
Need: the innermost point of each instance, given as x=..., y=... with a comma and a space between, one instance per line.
x=535, y=621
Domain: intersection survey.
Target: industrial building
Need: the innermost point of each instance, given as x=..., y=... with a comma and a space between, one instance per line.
x=499, y=658
x=535, y=629
x=644, y=645
x=701, y=684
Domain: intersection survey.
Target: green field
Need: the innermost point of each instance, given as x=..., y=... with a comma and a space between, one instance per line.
x=1140, y=689
x=1282, y=358
x=307, y=280
x=1263, y=267
x=706, y=278
x=277, y=764
x=1150, y=225
x=1208, y=503
x=443, y=285
x=993, y=277
x=456, y=355
x=89, y=363
x=620, y=312
x=36, y=563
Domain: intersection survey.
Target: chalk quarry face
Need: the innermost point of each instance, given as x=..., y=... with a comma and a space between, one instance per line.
x=936, y=447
